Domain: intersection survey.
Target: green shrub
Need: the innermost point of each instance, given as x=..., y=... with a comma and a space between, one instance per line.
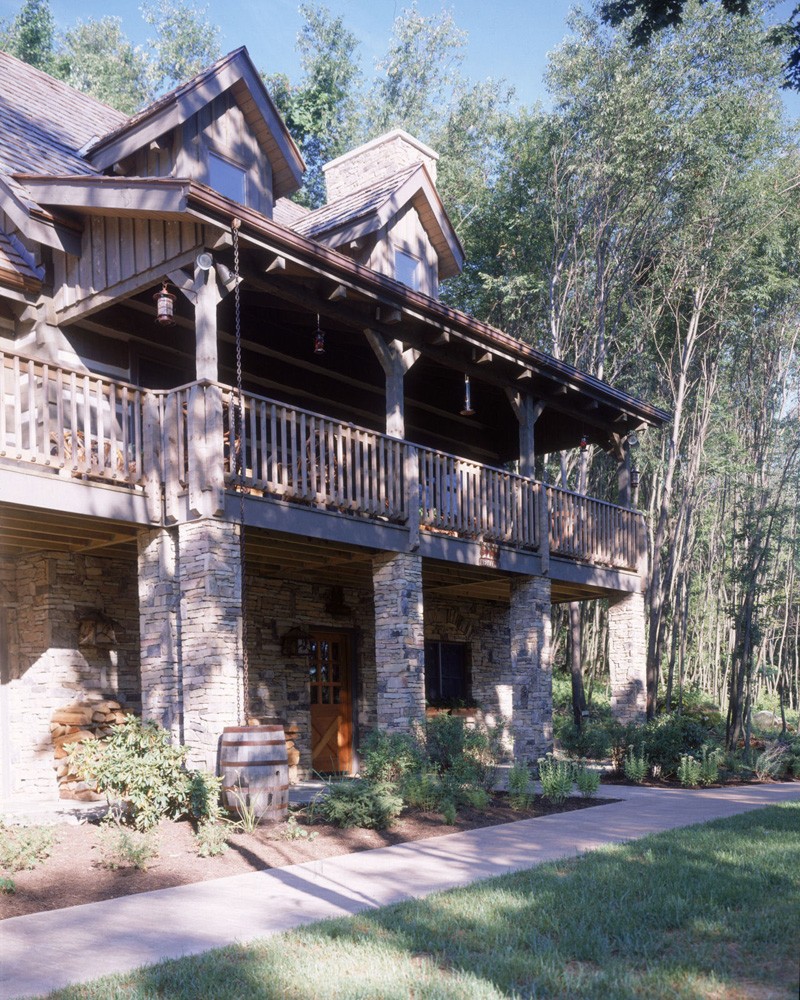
x=520, y=786
x=293, y=831
x=24, y=847
x=212, y=838
x=449, y=812
x=689, y=771
x=204, y=790
x=422, y=790
x=588, y=781
x=139, y=767
x=636, y=768
x=592, y=740
x=771, y=763
x=122, y=848
x=370, y=804
x=556, y=778
x=667, y=738
x=389, y=756
x=7, y=885
x=709, y=766
x=476, y=798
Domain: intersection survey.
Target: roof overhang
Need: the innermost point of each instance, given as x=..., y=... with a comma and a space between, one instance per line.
x=524, y=368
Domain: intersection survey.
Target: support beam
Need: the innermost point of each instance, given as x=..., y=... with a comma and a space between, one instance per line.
x=527, y=413
x=627, y=657
x=528, y=688
x=395, y=361
x=205, y=323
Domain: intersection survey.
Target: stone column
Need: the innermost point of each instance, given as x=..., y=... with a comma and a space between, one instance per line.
x=627, y=657
x=399, y=640
x=210, y=585
x=159, y=630
x=531, y=672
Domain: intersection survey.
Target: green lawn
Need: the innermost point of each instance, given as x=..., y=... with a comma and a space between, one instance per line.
x=711, y=911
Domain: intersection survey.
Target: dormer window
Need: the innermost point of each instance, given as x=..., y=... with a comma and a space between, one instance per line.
x=408, y=269
x=227, y=178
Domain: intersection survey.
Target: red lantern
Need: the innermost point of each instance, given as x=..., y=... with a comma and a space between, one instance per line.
x=165, y=306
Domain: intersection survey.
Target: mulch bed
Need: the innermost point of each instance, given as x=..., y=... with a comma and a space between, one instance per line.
x=74, y=873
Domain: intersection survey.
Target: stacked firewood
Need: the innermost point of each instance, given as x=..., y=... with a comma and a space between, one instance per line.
x=92, y=719
x=292, y=753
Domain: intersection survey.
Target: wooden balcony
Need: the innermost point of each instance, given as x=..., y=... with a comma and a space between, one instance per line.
x=180, y=449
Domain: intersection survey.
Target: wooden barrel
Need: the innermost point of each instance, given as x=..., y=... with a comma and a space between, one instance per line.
x=255, y=773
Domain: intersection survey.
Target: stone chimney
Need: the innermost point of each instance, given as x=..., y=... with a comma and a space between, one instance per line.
x=379, y=158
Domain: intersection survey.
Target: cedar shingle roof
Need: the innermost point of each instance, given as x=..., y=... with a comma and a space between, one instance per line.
x=45, y=122
x=357, y=205
x=15, y=269
x=288, y=212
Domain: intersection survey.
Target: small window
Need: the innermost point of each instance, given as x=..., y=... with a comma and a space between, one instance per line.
x=446, y=674
x=227, y=178
x=408, y=269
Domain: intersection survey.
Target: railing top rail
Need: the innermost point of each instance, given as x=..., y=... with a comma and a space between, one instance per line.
x=584, y=496
x=57, y=366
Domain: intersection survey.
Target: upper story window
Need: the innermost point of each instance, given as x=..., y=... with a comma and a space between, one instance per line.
x=227, y=178
x=408, y=269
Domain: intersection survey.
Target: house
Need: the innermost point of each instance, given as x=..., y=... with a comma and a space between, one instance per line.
x=364, y=522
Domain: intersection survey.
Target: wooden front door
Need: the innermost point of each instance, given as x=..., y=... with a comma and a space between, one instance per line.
x=331, y=704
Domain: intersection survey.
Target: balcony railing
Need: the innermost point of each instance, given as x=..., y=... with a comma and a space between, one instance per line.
x=190, y=441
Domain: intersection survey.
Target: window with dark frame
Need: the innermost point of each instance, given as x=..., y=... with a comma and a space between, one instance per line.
x=227, y=178
x=447, y=680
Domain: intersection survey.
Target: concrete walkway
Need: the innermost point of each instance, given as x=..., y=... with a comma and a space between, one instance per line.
x=44, y=951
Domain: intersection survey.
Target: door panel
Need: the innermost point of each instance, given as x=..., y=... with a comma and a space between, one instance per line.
x=331, y=705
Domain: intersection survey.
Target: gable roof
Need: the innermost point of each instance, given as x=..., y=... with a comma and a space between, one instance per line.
x=45, y=122
x=371, y=207
x=235, y=72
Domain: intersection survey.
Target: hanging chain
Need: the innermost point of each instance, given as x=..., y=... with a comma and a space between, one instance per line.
x=239, y=421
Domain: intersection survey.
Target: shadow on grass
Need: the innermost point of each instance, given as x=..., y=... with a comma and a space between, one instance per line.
x=698, y=912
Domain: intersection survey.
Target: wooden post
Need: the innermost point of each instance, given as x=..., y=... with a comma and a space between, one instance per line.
x=206, y=297
x=395, y=361
x=527, y=413
x=152, y=470
x=543, y=515
x=411, y=464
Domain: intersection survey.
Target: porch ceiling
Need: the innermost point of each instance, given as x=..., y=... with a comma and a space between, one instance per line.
x=26, y=530
x=333, y=564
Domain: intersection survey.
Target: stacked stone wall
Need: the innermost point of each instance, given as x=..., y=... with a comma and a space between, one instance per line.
x=399, y=640
x=47, y=595
x=530, y=671
x=627, y=657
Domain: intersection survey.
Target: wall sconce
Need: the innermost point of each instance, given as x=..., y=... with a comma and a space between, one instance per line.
x=467, y=411
x=296, y=642
x=165, y=306
x=319, y=339
x=96, y=630
x=226, y=276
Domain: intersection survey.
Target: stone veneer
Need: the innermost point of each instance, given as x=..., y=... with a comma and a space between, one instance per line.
x=530, y=672
x=627, y=657
x=382, y=157
x=191, y=662
x=45, y=596
x=399, y=641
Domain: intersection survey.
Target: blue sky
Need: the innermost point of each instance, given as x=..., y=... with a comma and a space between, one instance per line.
x=507, y=38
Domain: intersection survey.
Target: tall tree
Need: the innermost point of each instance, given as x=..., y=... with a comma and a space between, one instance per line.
x=96, y=58
x=31, y=36
x=185, y=42
x=321, y=111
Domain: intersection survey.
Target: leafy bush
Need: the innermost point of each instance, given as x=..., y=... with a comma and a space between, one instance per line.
x=24, y=847
x=556, y=778
x=592, y=740
x=636, y=768
x=122, y=848
x=370, y=804
x=204, y=790
x=138, y=766
x=212, y=838
x=475, y=798
x=709, y=766
x=588, y=781
x=520, y=786
x=772, y=762
x=471, y=752
x=668, y=737
x=422, y=790
x=389, y=756
x=689, y=771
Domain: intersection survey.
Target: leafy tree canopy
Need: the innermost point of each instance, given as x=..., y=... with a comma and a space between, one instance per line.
x=647, y=17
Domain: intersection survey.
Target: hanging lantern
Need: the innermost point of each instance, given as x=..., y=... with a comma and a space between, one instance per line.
x=165, y=306
x=634, y=478
x=319, y=339
x=584, y=444
x=467, y=410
